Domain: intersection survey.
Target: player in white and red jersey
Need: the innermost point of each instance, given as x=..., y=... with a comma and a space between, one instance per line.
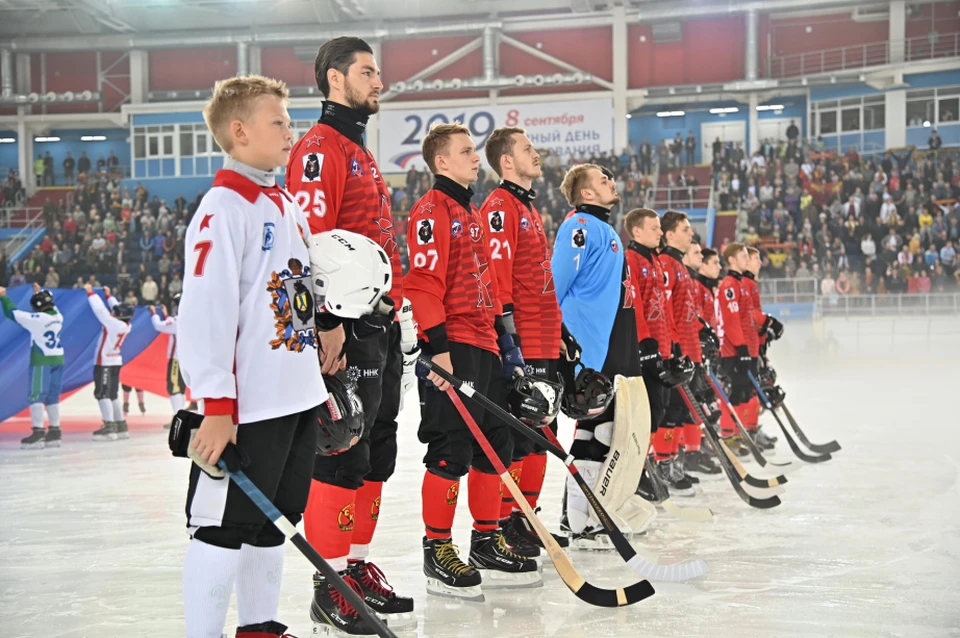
x=168, y=325
x=115, y=318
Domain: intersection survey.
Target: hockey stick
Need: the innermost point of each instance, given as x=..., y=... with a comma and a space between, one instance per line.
x=286, y=527
x=683, y=571
x=803, y=456
x=691, y=514
x=696, y=409
x=826, y=448
x=759, y=503
x=754, y=450
x=568, y=573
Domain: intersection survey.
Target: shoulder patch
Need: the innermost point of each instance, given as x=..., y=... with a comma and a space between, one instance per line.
x=729, y=294
x=524, y=223
x=495, y=219
x=425, y=232
x=613, y=246
x=579, y=238
x=456, y=228
x=312, y=165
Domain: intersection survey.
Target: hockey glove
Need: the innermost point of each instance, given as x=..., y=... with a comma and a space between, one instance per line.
x=373, y=324
x=511, y=356
x=742, y=363
x=772, y=328
x=676, y=351
x=569, y=347
x=676, y=371
x=184, y=428
x=409, y=348
x=650, y=358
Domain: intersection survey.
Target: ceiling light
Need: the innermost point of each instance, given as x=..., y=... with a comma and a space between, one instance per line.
x=7, y=140
x=721, y=110
x=93, y=138
x=770, y=107
x=46, y=139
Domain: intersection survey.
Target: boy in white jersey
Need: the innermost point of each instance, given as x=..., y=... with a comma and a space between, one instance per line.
x=46, y=363
x=168, y=325
x=115, y=318
x=248, y=348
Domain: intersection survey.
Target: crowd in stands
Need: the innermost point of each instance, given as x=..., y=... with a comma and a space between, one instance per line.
x=73, y=168
x=885, y=223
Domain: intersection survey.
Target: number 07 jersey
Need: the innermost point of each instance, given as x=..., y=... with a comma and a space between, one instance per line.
x=338, y=185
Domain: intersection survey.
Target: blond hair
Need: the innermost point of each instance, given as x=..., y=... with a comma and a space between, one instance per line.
x=732, y=249
x=752, y=251
x=576, y=179
x=436, y=141
x=637, y=218
x=235, y=99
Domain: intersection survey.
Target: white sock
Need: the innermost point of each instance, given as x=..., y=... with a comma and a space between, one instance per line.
x=106, y=410
x=118, y=411
x=53, y=413
x=36, y=416
x=339, y=564
x=258, y=584
x=208, y=575
x=177, y=402
x=359, y=552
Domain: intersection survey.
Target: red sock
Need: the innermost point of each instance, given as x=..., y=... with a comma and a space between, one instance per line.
x=506, y=499
x=368, y=511
x=691, y=437
x=662, y=443
x=743, y=411
x=484, y=497
x=754, y=404
x=531, y=479
x=677, y=440
x=727, y=425
x=439, y=499
x=328, y=520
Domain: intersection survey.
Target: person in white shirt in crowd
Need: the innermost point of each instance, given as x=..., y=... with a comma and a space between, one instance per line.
x=888, y=208
x=115, y=317
x=868, y=247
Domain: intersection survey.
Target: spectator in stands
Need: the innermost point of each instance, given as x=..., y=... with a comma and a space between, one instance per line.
x=52, y=279
x=16, y=277
x=163, y=265
x=113, y=164
x=948, y=255
x=146, y=247
x=101, y=165
x=793, y=133
x=48, y=169
x=690, y=145
x=149, y=291
x=68, y=165
x=868, y=248
x=158, y=240
x=176, y=285
x=38, y=170
x=934, y=142
x=646, y=157
x=83, y=164
x=130, y=298
x=931, y=256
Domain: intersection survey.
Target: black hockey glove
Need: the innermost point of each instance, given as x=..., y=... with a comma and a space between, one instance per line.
x=373, y=324
x=570, y=348
x=650, y=358
x=742, y=364
x=511, y=356
x=772, y=328
x=677, y=371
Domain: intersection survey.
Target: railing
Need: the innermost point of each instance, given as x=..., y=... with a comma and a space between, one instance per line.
x=777, y=291
x=898, y=305
x=19, y=216
x=59, y=178
x=943, y=45
x=683, y=196
x=34, y=221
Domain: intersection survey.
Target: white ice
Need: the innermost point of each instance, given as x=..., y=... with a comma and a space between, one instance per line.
x=92, y=534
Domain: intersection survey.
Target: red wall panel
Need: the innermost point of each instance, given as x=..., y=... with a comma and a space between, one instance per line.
x=116, y=86
x=183, y=69
x=709, y=51
x=74, y=71
x=282, y=63
x=402, y=58
x=939, y=16
x=789, y=36
x=590, y=49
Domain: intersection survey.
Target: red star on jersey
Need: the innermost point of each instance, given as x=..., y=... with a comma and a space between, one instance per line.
x=314, y=139
x=483, y=283
x=496, y=203
x=388, y=239
x=205, y=222
x=426, y=208
x=547, y=276
x=628, y=291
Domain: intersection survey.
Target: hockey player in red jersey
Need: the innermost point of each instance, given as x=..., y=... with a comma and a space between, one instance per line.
x=739, y=343
x=521, y=258
x=337, y=182
x=456, y=304
x=769, y=329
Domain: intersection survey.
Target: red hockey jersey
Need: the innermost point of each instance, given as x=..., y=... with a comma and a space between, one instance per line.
x=736, y=316
x=708, y=309
x=521, y=259
x=682, y=295
x=337, y=183
x=652, y=306
x=451, y=280
x=750, y=283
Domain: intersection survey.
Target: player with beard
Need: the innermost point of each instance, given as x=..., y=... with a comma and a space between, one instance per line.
x=521, y=256
x=596, y=297
x=337, y=182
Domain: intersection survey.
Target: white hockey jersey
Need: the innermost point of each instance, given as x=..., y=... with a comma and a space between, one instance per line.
x=246, y=319
x=113, y=334
x=44, y=329
x=167, y=326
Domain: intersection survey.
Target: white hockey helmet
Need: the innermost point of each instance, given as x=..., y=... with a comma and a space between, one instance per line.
x=350, y=273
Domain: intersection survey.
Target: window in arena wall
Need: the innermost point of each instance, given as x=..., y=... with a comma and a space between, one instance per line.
x=920, y=107
x=828, y=122
x=850, y=115
x=874, y=113
x=948, y=104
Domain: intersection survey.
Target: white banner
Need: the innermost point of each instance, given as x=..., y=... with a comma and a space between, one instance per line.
x=564, y=128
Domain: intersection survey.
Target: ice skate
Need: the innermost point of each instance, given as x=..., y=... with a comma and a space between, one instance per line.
x=332, y=614
x=676, y=482
x=396, y=610
x=107, y=433
x=499, y=566
x=700, y=463
x=446, y=574
x=52, y=438
x=35, y=441
x=522, y=540
x=123, y=431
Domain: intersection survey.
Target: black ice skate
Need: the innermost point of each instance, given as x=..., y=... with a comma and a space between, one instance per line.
x=701, y=463
x=737, y=445
x=332, y=614
x=260, y=630
x=676, y=482
x=123, y=431
x=446, y=574
x=396, y=610
x=107, y=433
x=522, y=540
x=645, y=489
x=53, y=438
x=500, y=566
x=33, y=442
x=764, y=441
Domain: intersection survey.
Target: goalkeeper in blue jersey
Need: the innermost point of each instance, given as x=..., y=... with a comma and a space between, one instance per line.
x=46, y=363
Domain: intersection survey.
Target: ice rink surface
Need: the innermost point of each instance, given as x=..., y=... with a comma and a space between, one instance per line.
x=868, y=544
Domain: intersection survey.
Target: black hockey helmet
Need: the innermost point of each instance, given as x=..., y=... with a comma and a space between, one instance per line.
x=533, y=400
x=124, y=311
x=341, y=416
x=175, y=305
x=677, y=371
x=42, y=301
x=586, y=393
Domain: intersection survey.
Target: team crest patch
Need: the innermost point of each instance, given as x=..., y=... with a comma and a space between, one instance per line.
x=312, y=165
x=666, y=279
x=425, y=232
x=453, y=492
x=375, y=509
x=268, y=232
x=613, y=246
x=355, y=168
x=456, y=229
x=345, y=517
x=293, y=308
x=729, y=294
x=579, y=238
x=524, y=224
x=644, y=271
x=495, y=219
